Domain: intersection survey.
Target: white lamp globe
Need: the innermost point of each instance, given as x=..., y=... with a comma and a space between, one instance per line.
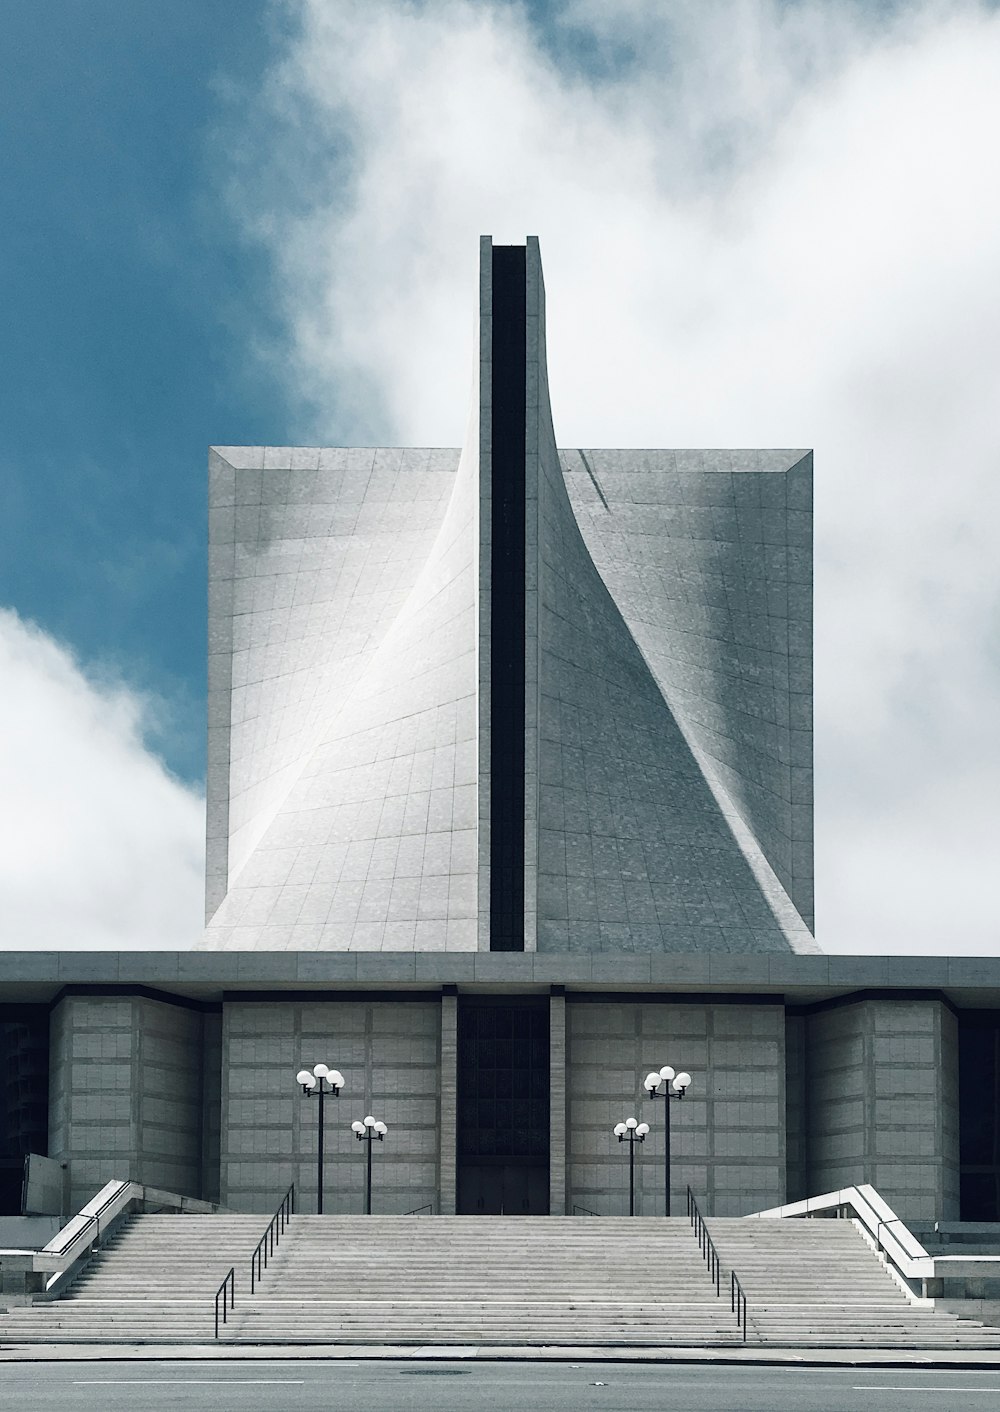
x=336, y=1078
x=642, y=1130
x=666, y=1073
x=321, y=1070
x=304, y=1078
x=682, y=1081
x=369, y=1121
x=357, y=1127
x=651, y=1083
x=381, y=1129
x=631, y=1122
x=620, y=1130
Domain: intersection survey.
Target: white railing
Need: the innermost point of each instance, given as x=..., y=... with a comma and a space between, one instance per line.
x=84, y=1230
x=876, y=1216
x=888, y=1233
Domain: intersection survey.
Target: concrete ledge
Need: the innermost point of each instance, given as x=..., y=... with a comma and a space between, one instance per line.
x=40, y=976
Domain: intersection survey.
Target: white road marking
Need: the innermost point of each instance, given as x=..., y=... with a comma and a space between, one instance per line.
x=883, y=1387
x=257, y=1362
x=184, y=1382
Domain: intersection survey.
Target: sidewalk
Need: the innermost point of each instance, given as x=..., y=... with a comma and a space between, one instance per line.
x=209, y=1352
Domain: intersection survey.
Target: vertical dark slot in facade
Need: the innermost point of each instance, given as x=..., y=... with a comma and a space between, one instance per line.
x=979, y=1114
x=24, y=1096
x=507, y=566
x=503, y=1107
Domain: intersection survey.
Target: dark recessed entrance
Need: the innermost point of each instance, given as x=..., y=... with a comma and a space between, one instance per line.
x=979, y=1113
x=503, y=1107
x=24, y=1096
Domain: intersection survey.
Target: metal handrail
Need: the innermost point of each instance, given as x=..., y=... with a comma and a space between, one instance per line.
x=88, y=1221
x=227, y=1292
x=705, y=1242
x=92, y=1219
x=738, y=1302
x=419, y=1210
x=583, y=1211
x=268, y=1242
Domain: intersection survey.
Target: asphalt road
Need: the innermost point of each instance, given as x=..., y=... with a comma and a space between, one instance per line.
x=454, y=1387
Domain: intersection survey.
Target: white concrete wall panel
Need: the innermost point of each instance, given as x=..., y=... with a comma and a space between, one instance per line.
x=640, y=845
x=389, y=1054
x=126, y=1084
x=313, y=553
x=881, y=1085
x=708, y=556
x=373, y=843
x=668, y=802
x=727, y=1136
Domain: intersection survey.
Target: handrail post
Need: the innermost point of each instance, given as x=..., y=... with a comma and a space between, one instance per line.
x=228, y=1291
x=268, y=1243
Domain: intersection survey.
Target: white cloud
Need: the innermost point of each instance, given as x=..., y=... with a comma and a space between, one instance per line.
x=762, y=224
x=101, y=847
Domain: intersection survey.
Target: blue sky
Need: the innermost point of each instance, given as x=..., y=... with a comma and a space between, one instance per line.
x=129, y=296
x=242, y=221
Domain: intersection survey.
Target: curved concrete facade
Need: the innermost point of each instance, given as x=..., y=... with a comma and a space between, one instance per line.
x=366, y=745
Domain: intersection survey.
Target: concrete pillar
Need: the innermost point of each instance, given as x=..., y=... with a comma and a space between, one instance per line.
x=557, y=1103
x=882, y=1078
x=448, y=1123
x=126, y=1093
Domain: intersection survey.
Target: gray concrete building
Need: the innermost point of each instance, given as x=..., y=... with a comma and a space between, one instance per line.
x=509, y=803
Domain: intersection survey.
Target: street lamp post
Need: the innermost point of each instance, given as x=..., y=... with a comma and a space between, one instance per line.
x=368, y=1132
x=668, y=1085
x=631, y=1131
x=318, y=1082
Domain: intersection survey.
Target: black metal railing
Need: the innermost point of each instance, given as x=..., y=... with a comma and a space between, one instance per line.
x=428, y=1206
x=584, y=1211
x=738, y=1302
x=227, y=1293
x=268, y=1242
x=705, y=1242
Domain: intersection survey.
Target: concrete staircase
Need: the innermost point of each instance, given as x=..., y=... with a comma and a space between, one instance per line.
x=153, y=1280
x=394, y=1279
x=818, y=1284
x=496, y=1280
x=516, y=1281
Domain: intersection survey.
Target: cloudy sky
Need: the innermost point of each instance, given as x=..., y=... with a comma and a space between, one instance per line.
x=763, y=223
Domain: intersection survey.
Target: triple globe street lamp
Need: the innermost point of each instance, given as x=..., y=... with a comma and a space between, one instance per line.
x=631, y=1131
x=320, y=1082
x=667, y=1085
x=371, y=1130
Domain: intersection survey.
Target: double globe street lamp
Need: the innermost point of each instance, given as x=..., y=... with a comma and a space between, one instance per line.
x=631, y=1131
x=371, y=1130
x=667, y=1085
x=320, y=1082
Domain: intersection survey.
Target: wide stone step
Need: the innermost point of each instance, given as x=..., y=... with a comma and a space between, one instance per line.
x=614, y=1281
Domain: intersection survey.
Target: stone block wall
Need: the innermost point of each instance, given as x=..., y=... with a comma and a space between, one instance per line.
x=727, y=1136
x=126, y=1093
x=882, y=1091
x=389, y=1054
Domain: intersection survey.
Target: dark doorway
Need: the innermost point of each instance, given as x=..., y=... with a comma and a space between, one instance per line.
x=503, y=1107
x=24, y=1096
x=503, y=1189
x=979, y=1114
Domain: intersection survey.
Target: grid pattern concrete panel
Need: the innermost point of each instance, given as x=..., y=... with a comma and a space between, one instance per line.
x=389, y=1054
x=726, y=1136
